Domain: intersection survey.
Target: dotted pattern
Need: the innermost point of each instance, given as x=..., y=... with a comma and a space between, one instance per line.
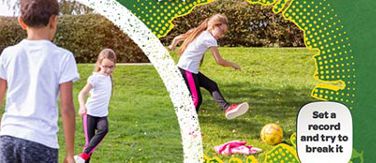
x=158, y=14
x=251, y=159
x=293, y=139
x=262, y=2
x=233, y=159
x=334, y=62
x=278, y=7
x=212, y=160
x=282, y=153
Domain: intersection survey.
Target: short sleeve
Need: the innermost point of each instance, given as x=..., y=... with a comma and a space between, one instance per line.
x=91, y=80
x=211, y=42
x=3, y=72
x=69, y=70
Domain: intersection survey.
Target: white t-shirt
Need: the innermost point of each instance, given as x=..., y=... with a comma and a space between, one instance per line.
x=34, y=69
x=191, y=57
x=100, y=94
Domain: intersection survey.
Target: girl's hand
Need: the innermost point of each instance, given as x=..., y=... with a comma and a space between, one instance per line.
x=235, y=66
x=69, y=159
x=171, y=47
x=82, y=111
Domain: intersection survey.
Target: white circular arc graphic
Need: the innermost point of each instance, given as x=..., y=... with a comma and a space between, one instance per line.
x=165, y=66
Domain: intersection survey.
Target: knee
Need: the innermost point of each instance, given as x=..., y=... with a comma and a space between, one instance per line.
x=103, y=130
x=213, y=87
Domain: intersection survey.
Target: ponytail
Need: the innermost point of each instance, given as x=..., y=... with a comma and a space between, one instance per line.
x=207, y=24
x=192, y=34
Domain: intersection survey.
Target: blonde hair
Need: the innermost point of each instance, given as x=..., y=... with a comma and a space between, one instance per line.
x=105, y=54
x=207, y=24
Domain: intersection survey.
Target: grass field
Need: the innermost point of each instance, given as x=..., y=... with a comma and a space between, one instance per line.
x=143, y=125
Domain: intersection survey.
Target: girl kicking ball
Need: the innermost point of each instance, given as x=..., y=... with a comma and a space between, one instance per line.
x=195, y=42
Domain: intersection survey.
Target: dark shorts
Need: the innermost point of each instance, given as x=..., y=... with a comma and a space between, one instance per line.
x=16, y=150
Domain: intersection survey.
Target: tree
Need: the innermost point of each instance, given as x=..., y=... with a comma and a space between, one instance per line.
x=72, y=7
x=67, y=7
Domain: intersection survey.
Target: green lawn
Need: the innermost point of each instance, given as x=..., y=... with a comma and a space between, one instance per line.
x=275, y=82
x=143, y=125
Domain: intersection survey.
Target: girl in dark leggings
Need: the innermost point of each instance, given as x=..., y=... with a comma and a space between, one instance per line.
x=195, y=43
x=94, y=113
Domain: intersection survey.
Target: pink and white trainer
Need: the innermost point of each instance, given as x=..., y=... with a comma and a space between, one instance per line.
x=236, y=110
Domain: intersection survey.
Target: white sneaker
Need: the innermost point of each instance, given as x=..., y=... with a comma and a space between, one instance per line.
x=78, y=159
x=236, y=110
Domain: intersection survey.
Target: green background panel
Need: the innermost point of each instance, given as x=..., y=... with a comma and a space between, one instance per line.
x=158, y=14
x=359, y=20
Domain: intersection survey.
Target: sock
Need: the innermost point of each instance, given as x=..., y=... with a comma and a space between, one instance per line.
x=85, y=156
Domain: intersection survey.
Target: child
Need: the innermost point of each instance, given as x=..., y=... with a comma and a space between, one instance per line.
x=196, y=42
x=96, y=109
x=32, y=74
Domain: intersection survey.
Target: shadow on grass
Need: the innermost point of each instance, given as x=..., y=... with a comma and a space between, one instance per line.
x=267, y=105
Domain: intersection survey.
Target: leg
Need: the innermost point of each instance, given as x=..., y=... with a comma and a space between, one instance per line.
x=31, y=152
x=212, y=87
x=102, y=130
x=89, y=125
x=193, y=86
x=7, y=150
x=24, y=151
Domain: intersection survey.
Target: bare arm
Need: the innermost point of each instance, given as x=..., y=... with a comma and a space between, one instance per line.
x=3, y=89
x=218, y=58
x=82, y=96
x=179, y=39
x=68, y=116
x=176, y=41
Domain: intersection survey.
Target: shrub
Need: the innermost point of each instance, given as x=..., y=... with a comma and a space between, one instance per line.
x=86, y=35
x=249, y=25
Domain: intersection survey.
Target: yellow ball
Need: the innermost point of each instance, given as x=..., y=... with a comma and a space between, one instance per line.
x=271, y=134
